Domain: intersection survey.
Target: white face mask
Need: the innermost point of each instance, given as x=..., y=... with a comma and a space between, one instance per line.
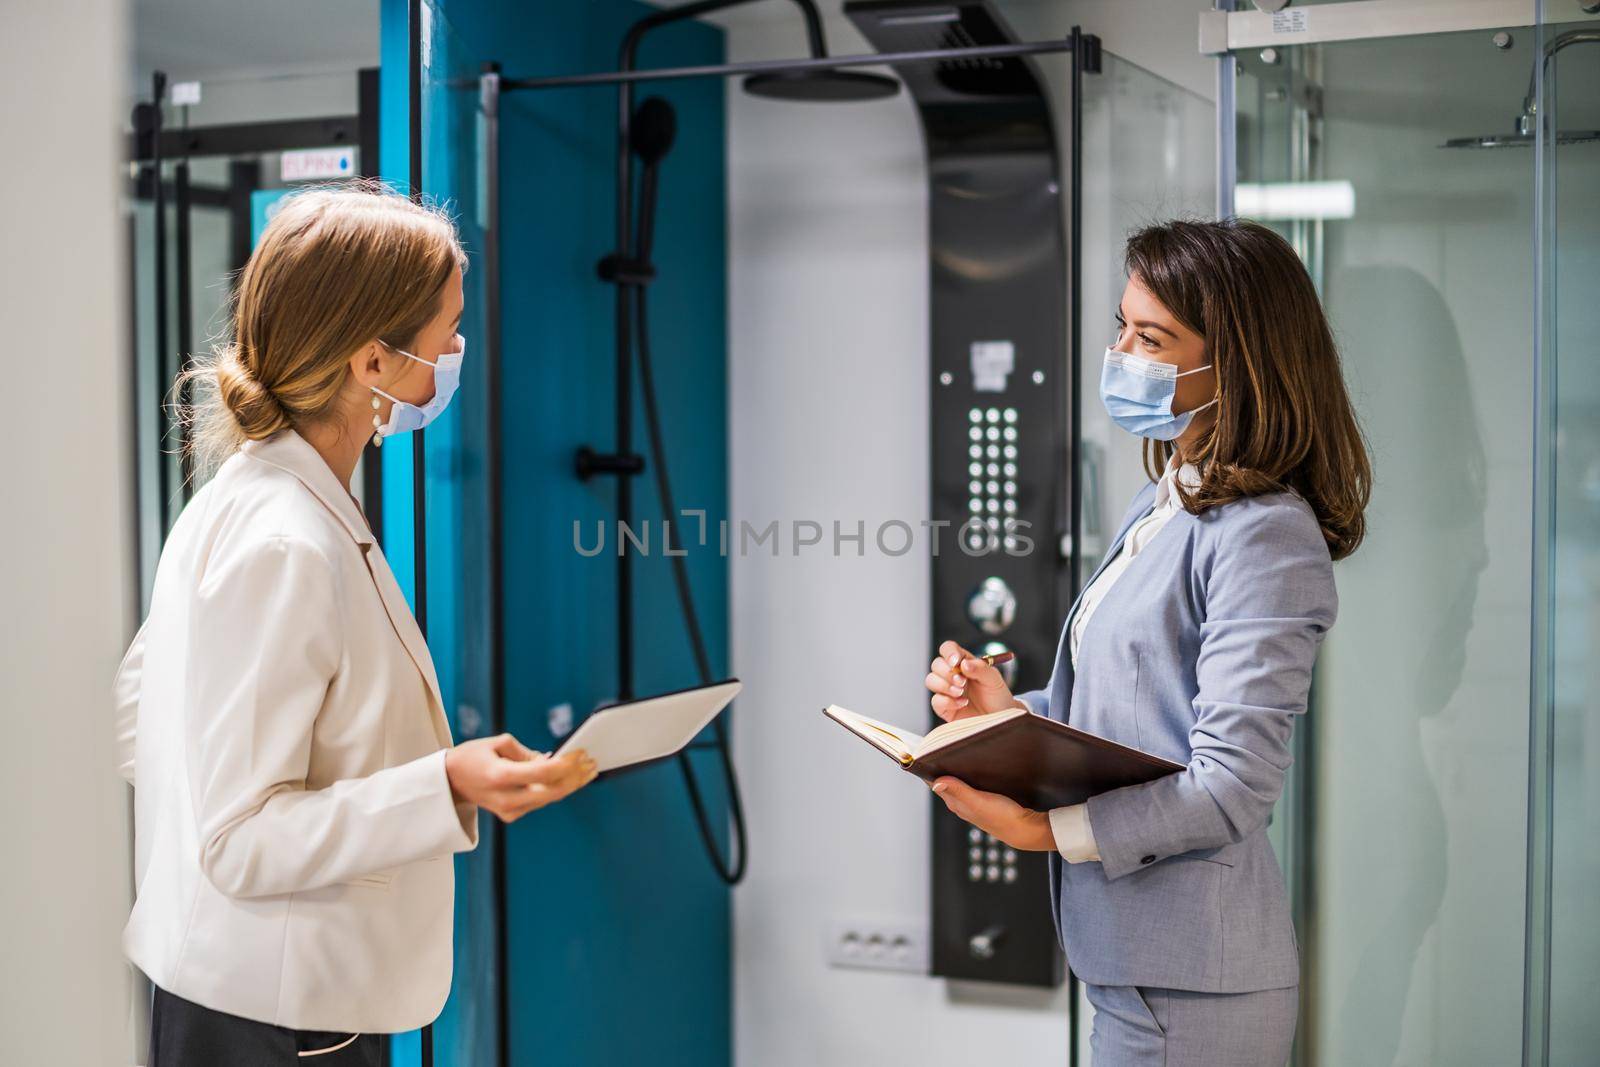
x=404, y=417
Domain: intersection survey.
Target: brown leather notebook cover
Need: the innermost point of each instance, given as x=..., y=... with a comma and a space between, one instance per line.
x=1038, y=762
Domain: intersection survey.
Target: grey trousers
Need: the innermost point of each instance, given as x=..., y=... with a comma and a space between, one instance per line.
x=1137, y=1026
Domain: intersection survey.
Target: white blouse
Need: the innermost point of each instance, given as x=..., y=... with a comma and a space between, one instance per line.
x=1139, y=535
x=1070, y=825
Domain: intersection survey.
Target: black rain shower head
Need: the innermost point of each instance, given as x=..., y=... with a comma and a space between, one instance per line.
x=821, y=86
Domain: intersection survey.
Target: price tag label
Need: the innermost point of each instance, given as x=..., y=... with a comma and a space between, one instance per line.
x=1297, y=20
x=309, y=164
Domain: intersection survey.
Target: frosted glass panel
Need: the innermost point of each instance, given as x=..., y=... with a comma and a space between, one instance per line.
x=1412, y=897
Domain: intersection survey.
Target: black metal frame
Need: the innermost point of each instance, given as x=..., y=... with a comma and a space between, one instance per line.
x=158, y=90
x=1085, y=56
x=244, y=138
x=787, y=66
x=419, y=485
x=489, y=104
x=183, y=206
x=367, y=88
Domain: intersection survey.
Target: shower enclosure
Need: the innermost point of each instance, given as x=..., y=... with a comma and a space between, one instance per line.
x=1436, y=165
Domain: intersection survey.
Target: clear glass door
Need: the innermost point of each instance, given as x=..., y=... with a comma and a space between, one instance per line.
x=1409, y=818
x=225, y=163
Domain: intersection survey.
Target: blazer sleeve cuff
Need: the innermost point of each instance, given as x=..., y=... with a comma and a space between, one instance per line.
x=1113, y=821
x=1073, y=835
x=1036, y=701
x=453, y=824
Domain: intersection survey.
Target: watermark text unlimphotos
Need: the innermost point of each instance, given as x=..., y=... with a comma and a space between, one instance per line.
x=977, y=536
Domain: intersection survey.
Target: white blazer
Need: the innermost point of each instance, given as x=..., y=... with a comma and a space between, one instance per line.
x=280, y=719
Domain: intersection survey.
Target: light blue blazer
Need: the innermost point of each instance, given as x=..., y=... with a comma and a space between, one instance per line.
x=1201, y=652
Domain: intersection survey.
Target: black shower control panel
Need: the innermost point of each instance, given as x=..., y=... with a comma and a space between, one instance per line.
x=999, y=479
x=999, y=439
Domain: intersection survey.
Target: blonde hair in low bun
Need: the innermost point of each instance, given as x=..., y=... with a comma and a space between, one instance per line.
x=337, y=268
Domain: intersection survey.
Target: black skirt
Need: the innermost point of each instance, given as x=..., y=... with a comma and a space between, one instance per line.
x=183, y=1034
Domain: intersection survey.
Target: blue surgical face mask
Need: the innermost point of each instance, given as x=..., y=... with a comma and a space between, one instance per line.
x=404, y=417
x=1138, y=392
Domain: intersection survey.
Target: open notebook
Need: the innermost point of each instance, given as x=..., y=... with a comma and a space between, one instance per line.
x=1038, y=762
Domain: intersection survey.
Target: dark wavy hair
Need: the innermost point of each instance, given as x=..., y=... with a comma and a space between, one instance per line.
x=1284, y=419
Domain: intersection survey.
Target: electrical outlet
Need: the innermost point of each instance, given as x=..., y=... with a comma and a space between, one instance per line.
x=878, y=944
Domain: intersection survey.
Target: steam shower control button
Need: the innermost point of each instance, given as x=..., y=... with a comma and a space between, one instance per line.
x=993, y=606
x=982, y=945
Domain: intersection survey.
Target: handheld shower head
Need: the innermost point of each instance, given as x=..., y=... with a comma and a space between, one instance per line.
x=653, y=129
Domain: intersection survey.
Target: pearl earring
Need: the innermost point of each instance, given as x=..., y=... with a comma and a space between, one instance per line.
x=377, y=424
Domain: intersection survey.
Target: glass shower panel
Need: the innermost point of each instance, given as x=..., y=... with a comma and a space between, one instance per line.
x=230, y=197
x=1149, y=155
x=1411, y=894
x=1567, y=823
x=457, y=519
x=1148, y=152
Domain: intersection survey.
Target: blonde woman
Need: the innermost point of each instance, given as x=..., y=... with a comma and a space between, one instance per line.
x=297, y=795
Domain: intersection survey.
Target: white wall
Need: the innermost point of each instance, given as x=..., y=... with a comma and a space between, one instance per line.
x=828, y=278
x=66, y=578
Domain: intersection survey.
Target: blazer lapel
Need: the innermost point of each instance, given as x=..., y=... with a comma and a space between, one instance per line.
x=290, y=452
x=410, y=634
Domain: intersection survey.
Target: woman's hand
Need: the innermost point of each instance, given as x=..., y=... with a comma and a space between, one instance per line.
x=1010, y=822
x=502, y=776
x=962, y=685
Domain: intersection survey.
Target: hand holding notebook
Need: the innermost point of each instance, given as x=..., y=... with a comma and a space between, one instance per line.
x=1037, y=762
